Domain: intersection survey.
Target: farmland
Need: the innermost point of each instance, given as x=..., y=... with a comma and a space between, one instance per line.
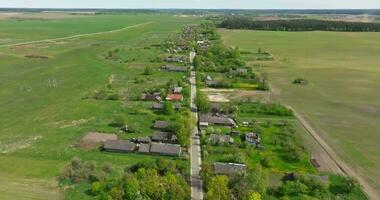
x=341, y=99
x=44, y=89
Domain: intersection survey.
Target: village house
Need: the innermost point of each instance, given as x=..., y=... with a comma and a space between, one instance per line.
x=221, y=139
x=240, y=71
x=165, y=149
x=143, y=140
x=222, y=120
x=160, y=106
x=252, y=138
x=144, y=148
x=159, y=124
x=211, y=83
x=174, y=68
x=229, y=168
x=119, y=146
x=177, y=90
x=165, y=137
x=174, y=97
x=156, y=96
x=179, y=59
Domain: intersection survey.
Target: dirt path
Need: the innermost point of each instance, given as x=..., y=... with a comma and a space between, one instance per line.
x=337, y=164
x=74, y=36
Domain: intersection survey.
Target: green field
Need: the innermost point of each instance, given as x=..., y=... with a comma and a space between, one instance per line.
x=43, y=112
x=342, y=98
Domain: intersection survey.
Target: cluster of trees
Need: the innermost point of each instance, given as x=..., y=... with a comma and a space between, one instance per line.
x=202, y=102
x=182, y=128
x=251, y=185
x=218, y=58
x=290, y=144
x=303, y=186
x=268, y=109
x=158, y=179
x=298, y=25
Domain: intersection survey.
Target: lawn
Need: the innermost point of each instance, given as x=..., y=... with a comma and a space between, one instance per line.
x=43, y=109
x=342, y=97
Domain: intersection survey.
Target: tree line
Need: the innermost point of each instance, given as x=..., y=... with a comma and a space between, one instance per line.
x=298, y=25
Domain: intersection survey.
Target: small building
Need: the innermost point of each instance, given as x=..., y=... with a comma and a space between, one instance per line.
x=252, y=138
x=165, y=137
x=158, y=124
x=144, y=148
x=203, y=124
x=156, y=96
x=157, y=106
x=234, y=132
x=171, y=68
x=177, y=90
x=211, y=83
x=229, y=168
x=165, y=149
x=143, y=140
x=217, y=120
x=221, y=139
x=119, y=146
x=174, y=97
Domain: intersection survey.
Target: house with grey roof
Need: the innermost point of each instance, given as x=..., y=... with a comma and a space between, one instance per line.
x=172, y=68
x=165, y=149
x=144, y=148
x=143, y=140
x=211, y=119
x=158, y=106
x=221, y=139
x=156, y=96
x=165, y=137
x=252, y=138
x=159, y=124
x=119, y=146
x=229, y=168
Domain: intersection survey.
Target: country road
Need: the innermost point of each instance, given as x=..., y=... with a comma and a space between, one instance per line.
x=74, y=36
x=195, y=147
x=341, y=166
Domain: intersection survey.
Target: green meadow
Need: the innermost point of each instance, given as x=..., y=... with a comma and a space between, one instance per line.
x=342, y=98
x=43, y=109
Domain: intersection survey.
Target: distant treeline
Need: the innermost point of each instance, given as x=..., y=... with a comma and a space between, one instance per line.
x=298, y=25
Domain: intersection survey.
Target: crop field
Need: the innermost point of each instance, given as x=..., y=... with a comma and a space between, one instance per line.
x=341, y=100
x=43, y=88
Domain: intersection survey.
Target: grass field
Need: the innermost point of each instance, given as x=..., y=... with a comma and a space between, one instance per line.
x=42, y=110
x=342, y=97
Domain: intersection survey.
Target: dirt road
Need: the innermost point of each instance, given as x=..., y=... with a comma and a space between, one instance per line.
x=337, y=164
x=74, y=36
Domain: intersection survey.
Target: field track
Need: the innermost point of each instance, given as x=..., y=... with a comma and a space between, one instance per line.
x=74, y=36
x=337, y=162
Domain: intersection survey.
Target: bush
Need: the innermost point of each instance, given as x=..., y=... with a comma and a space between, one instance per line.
x=119, y=121
x=148, y=71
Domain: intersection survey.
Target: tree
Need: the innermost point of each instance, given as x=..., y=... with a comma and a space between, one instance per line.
x=175, y=189
x=96, y=188
x=254, y=196
x=118, y=121
x=131, y=187
x=168, y=108
x=202, y=102
x=218, y=188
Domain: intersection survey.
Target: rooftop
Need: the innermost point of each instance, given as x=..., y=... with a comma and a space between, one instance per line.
x=229, y=168
x=120, y=146
x=165, y=149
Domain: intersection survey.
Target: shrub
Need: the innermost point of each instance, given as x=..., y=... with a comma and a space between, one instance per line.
x=118, y=121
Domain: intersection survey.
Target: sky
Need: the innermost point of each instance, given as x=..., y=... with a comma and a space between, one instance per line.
x=205, y=4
